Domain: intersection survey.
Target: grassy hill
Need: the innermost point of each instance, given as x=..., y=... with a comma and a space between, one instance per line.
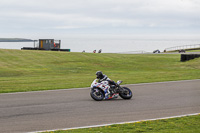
x=47, y=70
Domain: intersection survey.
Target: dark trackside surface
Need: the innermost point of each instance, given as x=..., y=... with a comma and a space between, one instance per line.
x=47, y=110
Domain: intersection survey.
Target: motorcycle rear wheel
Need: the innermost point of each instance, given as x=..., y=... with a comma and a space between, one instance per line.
x=97, y=94
x=126, y=94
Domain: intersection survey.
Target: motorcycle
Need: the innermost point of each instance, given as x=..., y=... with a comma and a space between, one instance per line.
x=103, y=90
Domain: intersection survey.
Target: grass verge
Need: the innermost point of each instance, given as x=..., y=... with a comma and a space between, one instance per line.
x=193, y=50
x=22, y=70
x=187, y=124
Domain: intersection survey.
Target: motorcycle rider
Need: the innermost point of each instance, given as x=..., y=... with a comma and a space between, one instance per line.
x=103, y=77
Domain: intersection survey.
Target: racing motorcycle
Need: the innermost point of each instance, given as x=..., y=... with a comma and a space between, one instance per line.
x=103, y=90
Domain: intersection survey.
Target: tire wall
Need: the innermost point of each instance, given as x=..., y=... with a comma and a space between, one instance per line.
x=187, y=57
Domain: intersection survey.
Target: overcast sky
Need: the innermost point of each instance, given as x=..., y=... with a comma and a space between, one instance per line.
x=29, y=18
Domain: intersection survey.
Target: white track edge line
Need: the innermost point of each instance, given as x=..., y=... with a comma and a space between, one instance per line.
x=93, y=126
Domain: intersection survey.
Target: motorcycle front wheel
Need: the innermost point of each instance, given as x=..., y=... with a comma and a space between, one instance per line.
x=126, y=93
x=97, y=94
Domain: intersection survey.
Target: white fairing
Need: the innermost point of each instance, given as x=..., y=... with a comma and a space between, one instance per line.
x=94, y=83
x=101, y=85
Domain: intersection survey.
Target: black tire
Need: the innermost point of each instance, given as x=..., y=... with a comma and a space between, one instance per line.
x=126, y=94
x=97, y=94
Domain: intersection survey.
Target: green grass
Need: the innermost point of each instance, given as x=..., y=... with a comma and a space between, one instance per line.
x=188, y=124
x=47, y=70
x=193, y=50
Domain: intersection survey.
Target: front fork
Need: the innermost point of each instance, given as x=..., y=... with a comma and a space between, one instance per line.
x=107, y=92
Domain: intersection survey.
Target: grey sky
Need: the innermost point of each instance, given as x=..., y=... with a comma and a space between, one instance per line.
x=33, y=17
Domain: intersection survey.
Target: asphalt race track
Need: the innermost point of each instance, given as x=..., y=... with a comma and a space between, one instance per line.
x=48, y=110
